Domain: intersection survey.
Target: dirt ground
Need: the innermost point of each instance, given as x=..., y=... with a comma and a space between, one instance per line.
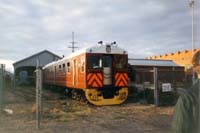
x=62, y=114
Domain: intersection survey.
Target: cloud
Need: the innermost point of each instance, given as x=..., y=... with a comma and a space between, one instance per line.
x=144, y=28
x=8, y=64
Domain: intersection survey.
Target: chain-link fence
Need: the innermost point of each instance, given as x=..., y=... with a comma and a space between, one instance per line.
x=143, y=84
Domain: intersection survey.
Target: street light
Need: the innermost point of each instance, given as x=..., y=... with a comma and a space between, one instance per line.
x=191, y=4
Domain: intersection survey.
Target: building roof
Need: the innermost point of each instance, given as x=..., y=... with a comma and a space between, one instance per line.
x=173, y=54
x=36, y=55
x=148, y=62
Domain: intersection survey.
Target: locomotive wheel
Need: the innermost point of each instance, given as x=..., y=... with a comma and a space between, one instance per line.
x=74, y=94
x=79, y=95
x=83, y=98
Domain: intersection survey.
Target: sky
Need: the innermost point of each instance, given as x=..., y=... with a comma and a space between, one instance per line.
x=142, y=27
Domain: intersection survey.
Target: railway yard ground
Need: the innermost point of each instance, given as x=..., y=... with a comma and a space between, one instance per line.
x=62, y=114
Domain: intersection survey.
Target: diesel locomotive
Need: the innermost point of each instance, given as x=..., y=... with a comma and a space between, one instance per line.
x=98, y=73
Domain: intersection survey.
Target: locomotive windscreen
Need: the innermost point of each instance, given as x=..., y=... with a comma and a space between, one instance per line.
x=99, y=61
x=120, y=61
x=93, y=62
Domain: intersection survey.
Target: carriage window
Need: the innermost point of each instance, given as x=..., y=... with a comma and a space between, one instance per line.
x=82, y=65
x=63, y=67
x=93, y=62
x=120, y=62
x=68, y=67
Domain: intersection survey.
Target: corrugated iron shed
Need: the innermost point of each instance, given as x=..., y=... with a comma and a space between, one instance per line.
x=44, y=57
x=148, y=62
x=25, y=68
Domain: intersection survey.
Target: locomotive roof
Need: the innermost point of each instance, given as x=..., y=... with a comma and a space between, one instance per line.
x=114, y=49
x=102, y=49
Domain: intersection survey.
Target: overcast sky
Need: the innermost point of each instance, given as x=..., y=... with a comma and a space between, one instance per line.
x=142, y=27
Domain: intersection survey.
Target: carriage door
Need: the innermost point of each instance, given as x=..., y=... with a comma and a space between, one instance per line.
x=107, y=69
x=74, y=73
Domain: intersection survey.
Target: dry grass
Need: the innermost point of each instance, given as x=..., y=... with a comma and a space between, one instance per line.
x=66, y=115
x=68, y=111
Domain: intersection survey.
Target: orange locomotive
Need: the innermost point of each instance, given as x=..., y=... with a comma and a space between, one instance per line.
x=99, y=73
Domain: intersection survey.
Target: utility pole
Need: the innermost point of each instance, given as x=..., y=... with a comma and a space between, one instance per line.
x=73, y=43
x=191, y=4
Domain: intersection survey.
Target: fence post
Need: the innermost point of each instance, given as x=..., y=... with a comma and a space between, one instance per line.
x=14, y=80
x=2, y=67
x=174, y=78
x=38, y=94
x=156, y=95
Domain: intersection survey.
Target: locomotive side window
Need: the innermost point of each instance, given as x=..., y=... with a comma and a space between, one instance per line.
x=68, y=67
x=93, y=62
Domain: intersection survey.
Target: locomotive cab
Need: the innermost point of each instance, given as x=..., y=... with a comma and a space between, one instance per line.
x=107, y=78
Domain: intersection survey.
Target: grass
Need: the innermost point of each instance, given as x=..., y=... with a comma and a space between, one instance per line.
x=68, y=111
x=119, y=117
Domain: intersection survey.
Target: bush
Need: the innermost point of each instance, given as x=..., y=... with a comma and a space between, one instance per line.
x=168, y=98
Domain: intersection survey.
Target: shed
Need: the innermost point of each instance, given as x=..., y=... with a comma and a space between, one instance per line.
x=148, y=62
x=24, y=69
x=168, y=71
